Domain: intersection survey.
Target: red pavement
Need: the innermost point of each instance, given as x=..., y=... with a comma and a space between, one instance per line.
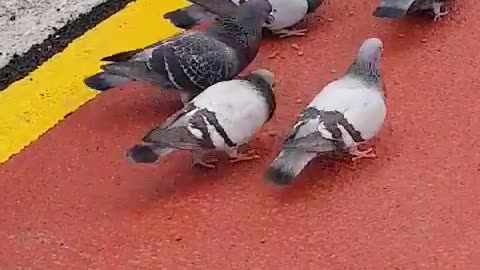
x=72, y=201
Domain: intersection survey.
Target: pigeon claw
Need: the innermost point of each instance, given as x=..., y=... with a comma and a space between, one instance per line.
x=439, y=15
x=359, y=154
x=437, y=11
x=198, y=159
x=204, y=163
x=237, y=157
x=283, y=33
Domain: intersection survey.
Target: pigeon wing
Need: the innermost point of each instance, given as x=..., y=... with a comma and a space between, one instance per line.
x=195, y=61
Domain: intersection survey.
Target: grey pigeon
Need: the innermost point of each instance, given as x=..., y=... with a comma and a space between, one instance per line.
x=286, y=13
x=345, y=114
x=397, y=8
x=192, y=61
x=221, y=118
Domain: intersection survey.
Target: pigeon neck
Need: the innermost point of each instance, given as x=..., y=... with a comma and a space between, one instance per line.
x=313, y=5
x=243, y=37
x=367, y=70
x=265, y=90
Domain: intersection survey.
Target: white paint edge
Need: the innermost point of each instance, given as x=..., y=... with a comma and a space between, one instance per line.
x=34, y=21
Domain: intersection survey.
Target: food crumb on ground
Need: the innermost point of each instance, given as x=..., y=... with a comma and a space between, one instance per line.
x=273, y=54
x=295, y=46
x=272, y=133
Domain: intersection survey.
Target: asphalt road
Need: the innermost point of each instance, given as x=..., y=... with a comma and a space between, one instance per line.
x=25, y=23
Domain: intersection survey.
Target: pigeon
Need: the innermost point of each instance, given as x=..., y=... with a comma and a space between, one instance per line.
x=286, y=13
x=395, y=9
x=222, y=118
x=348, y=112
x=191, y=61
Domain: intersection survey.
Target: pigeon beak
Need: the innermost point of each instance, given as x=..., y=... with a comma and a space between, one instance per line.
x=270, y=19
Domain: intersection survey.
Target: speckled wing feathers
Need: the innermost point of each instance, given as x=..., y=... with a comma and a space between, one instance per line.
x=316, y=133
x=306, y=133
x=175, y=131
x=195, y=61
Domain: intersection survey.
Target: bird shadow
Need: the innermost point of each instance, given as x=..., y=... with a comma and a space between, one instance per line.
x=406, y=33
x=322, y=176
x=133, y=106
x=183, y=179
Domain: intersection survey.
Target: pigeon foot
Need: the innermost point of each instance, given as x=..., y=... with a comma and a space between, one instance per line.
x=283, y=33
x=440, y=14
x=198, y=159
x=437, y=10
x=237, y=157
x=359, y=154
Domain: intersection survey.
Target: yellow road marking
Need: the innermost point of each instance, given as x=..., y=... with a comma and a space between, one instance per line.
x=31, y=106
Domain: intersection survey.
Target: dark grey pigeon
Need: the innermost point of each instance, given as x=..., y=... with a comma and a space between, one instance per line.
x=221, y=118
x=192, y=61
x=189, y=16
x=285, y=13
x=395, y=9
x=345, y=114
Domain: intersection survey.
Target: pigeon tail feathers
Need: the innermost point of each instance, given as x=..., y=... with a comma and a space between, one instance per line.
x=103, y=81
x=287, y=166
x=218, y=7
x=389, y=12
x=121, y=56
x=142, y=153
x=137, y=71
x=393, y=8
x=188, y=17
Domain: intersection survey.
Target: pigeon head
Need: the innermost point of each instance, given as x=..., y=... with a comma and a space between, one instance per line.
x=255, y=12
x=265, y=75
x=367, y=63
x=371, y=51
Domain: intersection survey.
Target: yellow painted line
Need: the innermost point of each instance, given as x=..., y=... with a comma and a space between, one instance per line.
x=31, y=106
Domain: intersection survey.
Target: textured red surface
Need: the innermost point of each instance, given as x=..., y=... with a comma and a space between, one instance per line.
x=72, y=201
